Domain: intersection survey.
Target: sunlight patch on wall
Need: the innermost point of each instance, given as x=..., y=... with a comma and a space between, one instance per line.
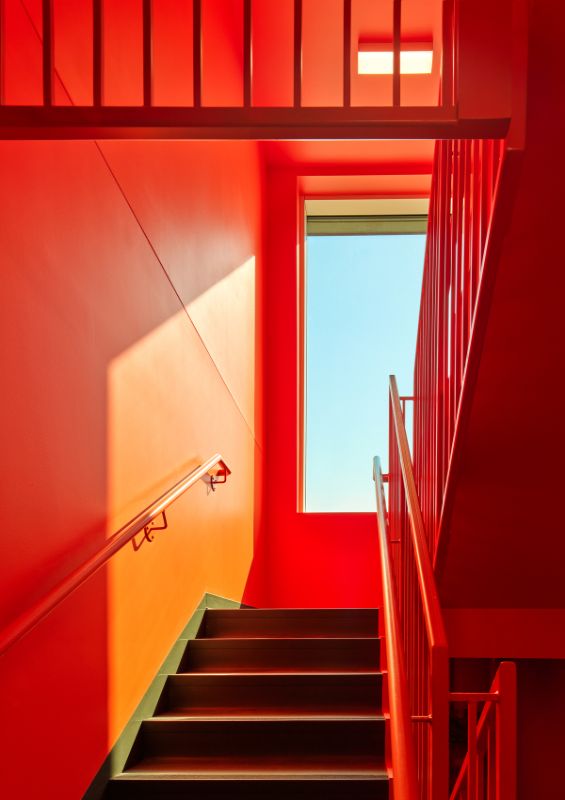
x=168, y=409
x=221, y=314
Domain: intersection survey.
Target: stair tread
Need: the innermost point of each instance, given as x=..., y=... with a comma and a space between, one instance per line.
x=291, y=623
x=238, y=639
x=148, y=775
x=268, y=715
x=248, y=765
x=204, y=676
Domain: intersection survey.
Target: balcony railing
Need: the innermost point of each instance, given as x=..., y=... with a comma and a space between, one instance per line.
x=145, y=116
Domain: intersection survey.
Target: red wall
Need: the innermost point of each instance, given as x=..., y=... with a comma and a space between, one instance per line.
x=126, y=362
x=313, y=559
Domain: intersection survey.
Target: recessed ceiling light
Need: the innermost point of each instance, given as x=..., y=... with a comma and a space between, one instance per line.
x=379, y=62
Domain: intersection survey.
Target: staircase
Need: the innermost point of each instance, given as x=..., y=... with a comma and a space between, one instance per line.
x=267, y=704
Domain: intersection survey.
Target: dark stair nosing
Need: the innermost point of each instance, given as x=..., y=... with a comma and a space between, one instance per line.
x=353, y=786
x=132, y=775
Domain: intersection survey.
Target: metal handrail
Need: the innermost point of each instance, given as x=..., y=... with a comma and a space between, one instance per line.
x=432, y=768
x=402, y=747
x=30, y=618
x=430, y=601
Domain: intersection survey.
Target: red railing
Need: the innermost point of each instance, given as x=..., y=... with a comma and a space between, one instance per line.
x=464, y=188
x=422, y=629
x=488, y=771
x=402, y=758
x=417, y=655
x=147, y=118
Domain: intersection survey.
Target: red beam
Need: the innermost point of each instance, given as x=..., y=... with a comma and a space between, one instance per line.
x=86, y=122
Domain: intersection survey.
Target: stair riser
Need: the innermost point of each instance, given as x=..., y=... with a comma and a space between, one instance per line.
x=263, y=655
x=270, y=739
x=288, y=623
x=249, y=790
x=227, y=694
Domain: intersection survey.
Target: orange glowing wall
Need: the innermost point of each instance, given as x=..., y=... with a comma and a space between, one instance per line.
x=130, y=274
x=131, y=351
x=131, y=330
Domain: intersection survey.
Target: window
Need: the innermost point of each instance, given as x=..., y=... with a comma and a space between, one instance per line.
x=362, y=296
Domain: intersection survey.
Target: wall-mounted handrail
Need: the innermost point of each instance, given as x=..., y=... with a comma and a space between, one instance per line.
x=30, y=618
x=402, y=747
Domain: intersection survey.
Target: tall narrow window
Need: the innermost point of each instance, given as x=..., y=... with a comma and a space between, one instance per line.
x=362, y=294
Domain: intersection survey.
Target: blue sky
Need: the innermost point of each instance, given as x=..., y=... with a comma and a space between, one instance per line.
x=363, y=298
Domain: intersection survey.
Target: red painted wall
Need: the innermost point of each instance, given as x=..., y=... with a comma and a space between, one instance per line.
x=313, y=559
x=126, y=362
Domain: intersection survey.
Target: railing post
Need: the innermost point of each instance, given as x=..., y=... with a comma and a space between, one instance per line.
x=97, y=53
x=247, y=54
x=1, y=52
x=47, y=52
x=297, y=53
x=197, y=53
x=439, y=766
x=396, y=44
x=346, y=53
x=147, y=53
x=505, y=758
x=447, y=54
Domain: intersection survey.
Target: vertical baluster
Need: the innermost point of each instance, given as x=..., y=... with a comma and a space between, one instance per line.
x=396, y=22
x=346, y=53
x=505, y=721
x=472, y=751
x=147, y=54
x=247, y=53
x=476, y=266
x=297, y=53
x=468, y=234
x=47, y=52
x=197, y=52
x=1, y=52
x=97, y=58
x=447, y=54
x=491, y=764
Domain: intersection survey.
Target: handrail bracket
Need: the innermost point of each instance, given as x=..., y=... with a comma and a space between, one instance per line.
x=152, y=526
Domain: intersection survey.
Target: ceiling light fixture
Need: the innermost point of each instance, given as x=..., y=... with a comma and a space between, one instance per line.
x=378, y=60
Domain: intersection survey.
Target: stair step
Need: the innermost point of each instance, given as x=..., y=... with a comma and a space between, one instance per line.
x=242, y=694
x=290, y=623
x=352, y=785
x=282, y=655
x=260, y=745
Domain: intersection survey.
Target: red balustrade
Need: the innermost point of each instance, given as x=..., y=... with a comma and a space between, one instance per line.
x=464, y=185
